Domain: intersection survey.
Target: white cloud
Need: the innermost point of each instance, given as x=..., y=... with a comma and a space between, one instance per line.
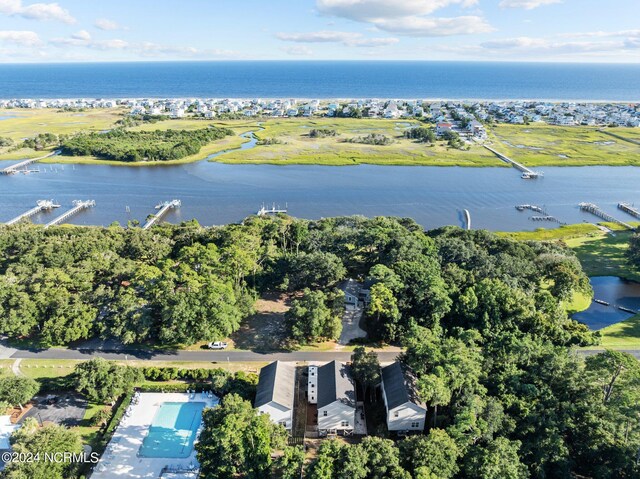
x=106, y=24
x=349, y=39
x=530, y=46
x=373, y=10
x=84, y=39
x=82, y=35
x=17, y=37
x=408, y=17
x=298, y=50
x=36, y=11
x=435, y=26
x=527, y=4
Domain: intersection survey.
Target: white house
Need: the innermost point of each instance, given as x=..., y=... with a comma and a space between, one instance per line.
x=405, y=411
x=336, y=399
x=275, y=392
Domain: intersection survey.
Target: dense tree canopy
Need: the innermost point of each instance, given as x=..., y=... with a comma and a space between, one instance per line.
x=34, y=441
x=17, y=390
x=104, y=381
x=482, y=318
x=159, y=145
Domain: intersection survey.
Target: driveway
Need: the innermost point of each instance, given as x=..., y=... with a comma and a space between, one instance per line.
x=351, y=326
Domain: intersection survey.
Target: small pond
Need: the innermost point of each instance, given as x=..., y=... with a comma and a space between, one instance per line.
x=615, y=291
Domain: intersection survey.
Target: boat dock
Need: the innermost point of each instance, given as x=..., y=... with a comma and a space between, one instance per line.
x=78, y=206
x=629, y=209
x=271, y=211
x=535, y=208
x=595, y=210
x=527, y=173
x=41, y=205
x=18, y=167
x=467, y=216
x=163, y=208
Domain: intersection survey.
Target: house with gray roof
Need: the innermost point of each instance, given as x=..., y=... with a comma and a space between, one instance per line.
x=336, y=399
x=405, y=410
x=275, y=392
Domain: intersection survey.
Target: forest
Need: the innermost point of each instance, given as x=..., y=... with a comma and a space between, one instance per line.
x=120, y=144
x=482, y=320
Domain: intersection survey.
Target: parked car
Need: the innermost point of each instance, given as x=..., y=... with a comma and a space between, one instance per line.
x=218, y=345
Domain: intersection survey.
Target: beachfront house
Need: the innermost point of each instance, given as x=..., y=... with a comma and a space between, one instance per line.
x=405, y=411
x=275, y=392
x=336, y=399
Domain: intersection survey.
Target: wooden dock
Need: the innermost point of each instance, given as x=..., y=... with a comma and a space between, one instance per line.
x=629, y=209
x=595, y=210
x=78, y=206
x=271, y=211
x=527, y=173
x=13, y=169
x=163, y=208
x=41, y=205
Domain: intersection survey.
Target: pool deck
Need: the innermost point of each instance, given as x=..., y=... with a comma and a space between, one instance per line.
x=120, y=459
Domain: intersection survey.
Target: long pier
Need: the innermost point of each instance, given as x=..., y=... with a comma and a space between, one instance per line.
x=527, y=173
x=629, y=209
x=595, y=210
x=78, y=206
x=13, y=169
x=467, y=216
x=163, y=208
x=41, y=205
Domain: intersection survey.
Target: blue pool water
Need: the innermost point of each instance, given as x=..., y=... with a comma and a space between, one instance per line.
x=173, y=430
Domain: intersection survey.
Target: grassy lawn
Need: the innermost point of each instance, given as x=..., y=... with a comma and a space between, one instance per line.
x=622, y=335
x=296, y=147
x=540, y=145
x=47, y=368
x=579, y=230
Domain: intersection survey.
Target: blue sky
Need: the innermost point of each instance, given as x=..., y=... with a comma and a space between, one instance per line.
x=481, y=30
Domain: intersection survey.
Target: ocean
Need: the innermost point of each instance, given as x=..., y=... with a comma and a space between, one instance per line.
x=323, y=79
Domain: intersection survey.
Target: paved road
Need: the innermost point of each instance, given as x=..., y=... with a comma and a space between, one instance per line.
x=95, y=350
x=213, y=356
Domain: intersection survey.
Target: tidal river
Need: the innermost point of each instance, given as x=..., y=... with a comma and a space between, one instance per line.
x=216, y=193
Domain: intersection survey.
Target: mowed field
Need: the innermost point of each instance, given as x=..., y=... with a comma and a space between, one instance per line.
x=295, y=146
x=540, y=145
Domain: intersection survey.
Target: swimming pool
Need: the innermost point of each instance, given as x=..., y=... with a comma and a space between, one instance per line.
x=173, y=430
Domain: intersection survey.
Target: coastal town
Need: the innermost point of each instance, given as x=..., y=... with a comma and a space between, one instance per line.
x=517, y=112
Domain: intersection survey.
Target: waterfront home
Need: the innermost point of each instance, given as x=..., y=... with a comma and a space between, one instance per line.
x=275, y=392
x=443, y=127
x=405, y=411
x=336, y=399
